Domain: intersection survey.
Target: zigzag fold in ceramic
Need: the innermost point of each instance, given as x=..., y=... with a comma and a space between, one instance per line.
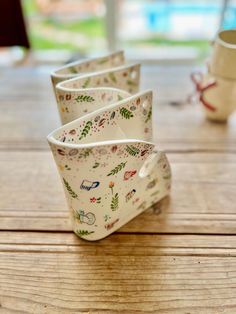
x=110, y=169
x=111, y=172
x=89, y=92
x=74, y=69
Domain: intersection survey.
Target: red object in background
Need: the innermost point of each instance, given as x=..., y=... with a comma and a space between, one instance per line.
x=197, y=78
x=12, y=25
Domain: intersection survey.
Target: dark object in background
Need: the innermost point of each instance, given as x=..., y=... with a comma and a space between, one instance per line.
x=12, y=25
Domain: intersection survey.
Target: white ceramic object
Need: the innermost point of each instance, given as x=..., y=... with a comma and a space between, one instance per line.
x=217, y=88
x=217, y=95
x=223, y=60
x=88, y=92
x=110, y=169
x=77, y=68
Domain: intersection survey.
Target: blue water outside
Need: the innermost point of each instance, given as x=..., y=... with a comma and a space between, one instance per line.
x=159, y=14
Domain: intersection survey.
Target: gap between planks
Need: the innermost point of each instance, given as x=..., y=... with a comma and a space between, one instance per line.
x=120, y=244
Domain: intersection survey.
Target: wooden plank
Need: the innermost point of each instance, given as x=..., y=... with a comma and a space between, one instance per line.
x=203, y=196
x=30, y=111
x=58, y=273
x=174, y=241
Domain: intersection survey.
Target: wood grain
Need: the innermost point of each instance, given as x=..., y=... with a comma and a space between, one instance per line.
x=58, y=273
x=203, y=195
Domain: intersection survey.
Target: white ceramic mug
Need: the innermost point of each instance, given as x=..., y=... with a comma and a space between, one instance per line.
x=223, y=59
x=217, y=95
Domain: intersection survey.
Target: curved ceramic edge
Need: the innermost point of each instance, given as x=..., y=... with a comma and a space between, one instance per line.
x=74, y=104
x=83, y=94
x=97, y=61
x=70, y=84
x=54, y=141
x=223, y=59
x=224, y=42
x=138, y=130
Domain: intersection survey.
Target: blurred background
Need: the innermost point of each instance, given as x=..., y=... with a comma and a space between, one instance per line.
x=151, y=30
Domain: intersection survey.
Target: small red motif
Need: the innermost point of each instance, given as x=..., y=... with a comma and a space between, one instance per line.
x=197, y=78
x=101, y=122
x=114, y=148
x=72, y=132
x=144, y=152
x=129, y=174
x=61, y=152
x=111, y=224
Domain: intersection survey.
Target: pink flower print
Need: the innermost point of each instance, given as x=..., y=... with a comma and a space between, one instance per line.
x=93, y=200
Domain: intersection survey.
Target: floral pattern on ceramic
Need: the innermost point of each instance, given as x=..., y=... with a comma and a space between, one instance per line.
x=105, y=167
x=81, y=102
x=110, y=169
x=74, y=69
x=87, y=93
x=115, y=122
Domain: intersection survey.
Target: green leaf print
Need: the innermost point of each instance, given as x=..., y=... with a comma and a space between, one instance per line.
x=96, y=165
x=83, y=232
x=72, y=69
x=115, y=202
x=131, y=83
x=117, y=169
x=149, y=115
x=69, y=189
x=84, y=98
x=167, y=177
x=126, y=113
x=132, y=150
x=85, y=153
x=102, y=61
x=120, y=97
x=112, y=77
x=86, y=129
x=86, y=83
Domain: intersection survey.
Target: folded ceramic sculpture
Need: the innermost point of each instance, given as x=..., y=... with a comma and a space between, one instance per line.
x=110, y=169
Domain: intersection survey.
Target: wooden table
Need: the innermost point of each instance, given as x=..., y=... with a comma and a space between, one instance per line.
x=178, y=257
